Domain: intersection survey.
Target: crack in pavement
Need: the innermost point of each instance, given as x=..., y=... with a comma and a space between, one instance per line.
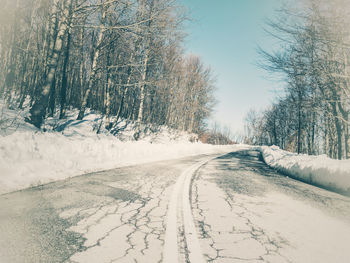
x=126, y=231
x=230, y=234
x=134, y=228
x=181, y=232
x=246, y=212
x=116, y=215
x=204, y=228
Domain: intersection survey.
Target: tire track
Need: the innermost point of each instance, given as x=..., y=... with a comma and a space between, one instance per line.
x=180, y=208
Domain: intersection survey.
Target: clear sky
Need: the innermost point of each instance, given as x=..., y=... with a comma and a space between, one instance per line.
x=225, y=34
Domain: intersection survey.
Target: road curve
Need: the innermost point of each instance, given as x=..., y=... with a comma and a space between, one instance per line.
x=231, y=208
x=118, y=215
x=247, y=212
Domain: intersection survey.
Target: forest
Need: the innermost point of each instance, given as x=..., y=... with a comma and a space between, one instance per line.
x=122, y=58
x=312, y=62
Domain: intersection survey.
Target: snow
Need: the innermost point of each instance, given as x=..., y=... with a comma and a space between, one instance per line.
x=29, y=157
x=317, y=170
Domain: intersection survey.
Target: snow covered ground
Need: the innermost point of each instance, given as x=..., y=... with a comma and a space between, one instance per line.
x=317, y=170
x=29, y=157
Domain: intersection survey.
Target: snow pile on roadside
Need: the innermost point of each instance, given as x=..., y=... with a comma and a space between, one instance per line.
x=71, y=147
x=28, y=159
x=318, y=170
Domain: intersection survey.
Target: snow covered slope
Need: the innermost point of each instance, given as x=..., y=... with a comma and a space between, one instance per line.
x=29, y=157
x=317, y=170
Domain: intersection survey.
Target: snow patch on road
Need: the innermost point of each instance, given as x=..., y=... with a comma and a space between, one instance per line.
x=318, y=170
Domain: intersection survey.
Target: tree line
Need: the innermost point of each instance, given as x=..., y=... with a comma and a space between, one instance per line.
x=312, y=115
x=123, y=58
x=217, y=135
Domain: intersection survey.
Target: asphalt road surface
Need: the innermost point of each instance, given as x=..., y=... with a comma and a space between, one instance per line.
x=208, y=208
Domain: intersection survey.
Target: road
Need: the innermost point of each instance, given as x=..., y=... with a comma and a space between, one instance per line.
x=208, y=208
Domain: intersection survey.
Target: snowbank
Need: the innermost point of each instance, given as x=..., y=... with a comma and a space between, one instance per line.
x=317, y=170
x=28, y=159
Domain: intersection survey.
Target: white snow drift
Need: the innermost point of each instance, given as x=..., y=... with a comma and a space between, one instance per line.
x=29, y=157
x=319, y=170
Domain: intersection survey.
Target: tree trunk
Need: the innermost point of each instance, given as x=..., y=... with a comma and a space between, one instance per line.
x=338, y=131
x=299, y=128
x=94, y=64
x=64, y=70
x=142, y=88
x=38, y=110
x=108, y=101
x=125, y=92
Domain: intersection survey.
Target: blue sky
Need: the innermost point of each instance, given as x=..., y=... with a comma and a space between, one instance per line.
x=225, y=34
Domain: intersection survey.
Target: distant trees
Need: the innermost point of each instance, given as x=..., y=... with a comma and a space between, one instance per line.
x=216, y=135
x=123, y=58
x=313, y=116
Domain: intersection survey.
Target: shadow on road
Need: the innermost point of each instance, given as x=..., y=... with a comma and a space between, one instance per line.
x=244, y=172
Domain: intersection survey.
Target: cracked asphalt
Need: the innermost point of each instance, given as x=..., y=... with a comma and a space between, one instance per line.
x=247, y=212
x=110, y=216
x=243, y=212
